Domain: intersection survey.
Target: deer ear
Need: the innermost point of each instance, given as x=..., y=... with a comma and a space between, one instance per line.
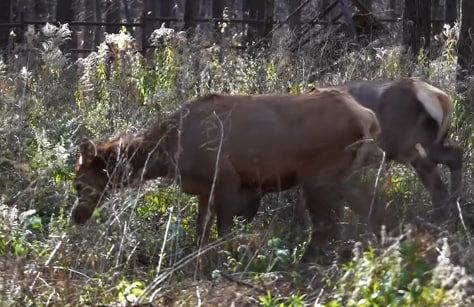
x=88, y=151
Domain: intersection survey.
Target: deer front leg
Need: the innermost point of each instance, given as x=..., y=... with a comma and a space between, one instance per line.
x=205, y=219
x=428, y=172
x=451, y=156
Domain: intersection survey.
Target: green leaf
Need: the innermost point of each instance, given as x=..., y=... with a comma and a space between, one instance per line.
x=35, y=222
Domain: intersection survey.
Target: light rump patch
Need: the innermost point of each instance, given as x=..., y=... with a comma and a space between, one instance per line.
x=430, y=101
x=436, y=103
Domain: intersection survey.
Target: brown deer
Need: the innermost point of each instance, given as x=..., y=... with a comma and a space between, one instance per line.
x=229, y=149
x=415, y=118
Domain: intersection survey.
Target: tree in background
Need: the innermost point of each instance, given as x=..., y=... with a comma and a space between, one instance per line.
x=191, y=11
x=112, y=15
x=367, y=4
x=98, y=38
x=393, y=8
x=294, y=21
x=268, y=17
x=466, y=46
x=88, y=32
x=64, y=11
x=5, y=15
x=65, y=14
x=253, y=10
x=416, y=27
x=437, y=12
x=450, y=11
x=217, y=10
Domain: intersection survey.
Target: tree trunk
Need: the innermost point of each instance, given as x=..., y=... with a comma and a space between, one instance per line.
x=217, y=10
x=112, y=15
x=437, y=11
x=465, y=43
x=450, y=12
x=88, y=32
x=367, y=4
x=417, y=26
x=294, y=21
x=254, y=10
x=65, y=14
x=5, y=9
x=269, y=8
x=191, y=10
x=152, y=10
x=332, y=14
x=126, y=11
x=28, y=9
x=393, y=8
x=99, y=36
x=166, y=9
x=43, y=10
x=64, y=11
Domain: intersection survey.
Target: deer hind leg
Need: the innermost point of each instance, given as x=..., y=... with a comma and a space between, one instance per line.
x=369, y=204
x=205, y=218
x=250, y=205
x=235, y=203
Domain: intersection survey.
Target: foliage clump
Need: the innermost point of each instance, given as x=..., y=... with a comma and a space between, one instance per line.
x=404, y=273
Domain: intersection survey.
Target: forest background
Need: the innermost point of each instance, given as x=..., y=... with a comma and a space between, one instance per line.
x=97, y=68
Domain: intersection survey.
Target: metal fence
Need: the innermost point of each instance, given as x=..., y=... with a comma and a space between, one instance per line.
x=145, y=25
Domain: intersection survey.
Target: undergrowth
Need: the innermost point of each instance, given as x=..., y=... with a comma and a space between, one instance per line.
x=140, y=245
